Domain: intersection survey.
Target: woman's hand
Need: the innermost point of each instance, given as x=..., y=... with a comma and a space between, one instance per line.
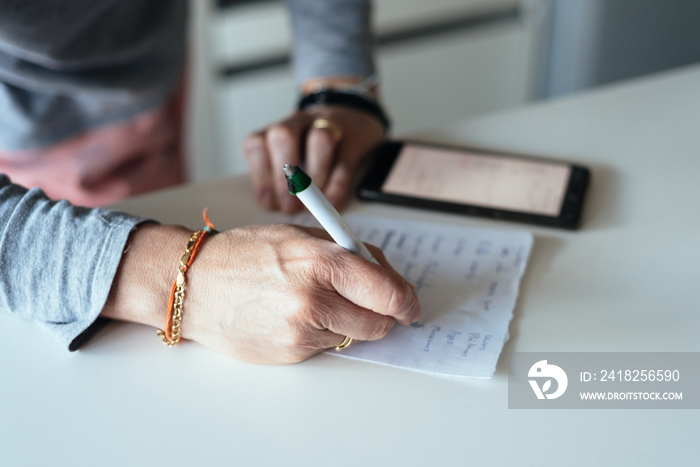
x=330, y=161
x=265, y=294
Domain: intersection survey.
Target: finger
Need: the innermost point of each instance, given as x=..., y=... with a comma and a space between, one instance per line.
x=375, y=250
x=339, y=182
x=331, y=319
x=343, y=317
x=379, y=256
x=320, y=340
x=371, y=286
x=258, y=158
x=331, y=339
x=320, y=147
x=283, y=142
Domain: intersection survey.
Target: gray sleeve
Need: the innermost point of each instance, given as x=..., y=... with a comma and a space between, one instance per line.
x=57, y=261
x=331, y=37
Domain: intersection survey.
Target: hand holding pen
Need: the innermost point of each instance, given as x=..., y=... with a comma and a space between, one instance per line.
x=318, y=205
x=268, y=294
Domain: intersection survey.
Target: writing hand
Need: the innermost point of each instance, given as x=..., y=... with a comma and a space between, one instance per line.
x=265, y=294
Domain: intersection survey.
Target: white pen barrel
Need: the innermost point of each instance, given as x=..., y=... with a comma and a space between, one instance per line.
x=333, y=222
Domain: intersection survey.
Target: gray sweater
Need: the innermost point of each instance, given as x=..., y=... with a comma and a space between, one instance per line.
x=69, y=65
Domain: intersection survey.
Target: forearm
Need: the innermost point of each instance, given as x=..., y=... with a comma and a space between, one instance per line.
x=58, y=260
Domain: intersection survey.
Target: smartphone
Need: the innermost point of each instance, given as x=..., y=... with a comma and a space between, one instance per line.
x=477, y=182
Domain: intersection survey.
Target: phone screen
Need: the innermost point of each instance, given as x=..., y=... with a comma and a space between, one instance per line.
x=495, y=181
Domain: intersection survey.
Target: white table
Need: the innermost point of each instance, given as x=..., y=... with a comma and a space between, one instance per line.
x=627, y=281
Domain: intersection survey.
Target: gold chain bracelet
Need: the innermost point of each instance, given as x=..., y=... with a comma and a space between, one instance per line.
x=173, y=325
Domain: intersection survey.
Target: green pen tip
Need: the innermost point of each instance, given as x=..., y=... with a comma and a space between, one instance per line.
x=297, y=180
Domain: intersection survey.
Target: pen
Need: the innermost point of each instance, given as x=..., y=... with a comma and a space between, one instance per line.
x=305, y=189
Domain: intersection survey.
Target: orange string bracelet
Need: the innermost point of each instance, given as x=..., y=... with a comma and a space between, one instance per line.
x=171, y=335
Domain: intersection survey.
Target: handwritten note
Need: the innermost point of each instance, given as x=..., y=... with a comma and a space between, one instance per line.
x=467, y=281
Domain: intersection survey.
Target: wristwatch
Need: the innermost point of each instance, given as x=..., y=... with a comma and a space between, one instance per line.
x=356, y=96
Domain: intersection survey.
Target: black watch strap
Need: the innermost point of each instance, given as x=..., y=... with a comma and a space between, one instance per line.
x=346, y=99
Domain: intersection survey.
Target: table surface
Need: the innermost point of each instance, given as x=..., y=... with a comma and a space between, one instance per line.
x=627, y=281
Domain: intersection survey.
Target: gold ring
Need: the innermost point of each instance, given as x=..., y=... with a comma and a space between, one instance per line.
x=345, y=344
x=334, y=128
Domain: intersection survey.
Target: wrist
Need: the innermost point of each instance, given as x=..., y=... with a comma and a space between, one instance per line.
x=143, y=280
x=348, y=100
x=354, y=92
x=364, y=85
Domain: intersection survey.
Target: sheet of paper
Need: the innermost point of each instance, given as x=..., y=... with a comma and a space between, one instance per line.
x=467, y=281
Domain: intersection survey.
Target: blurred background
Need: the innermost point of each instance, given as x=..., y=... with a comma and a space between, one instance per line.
x=439, y=60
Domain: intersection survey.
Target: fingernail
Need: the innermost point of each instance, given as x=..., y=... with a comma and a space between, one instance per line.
x=415, y=314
